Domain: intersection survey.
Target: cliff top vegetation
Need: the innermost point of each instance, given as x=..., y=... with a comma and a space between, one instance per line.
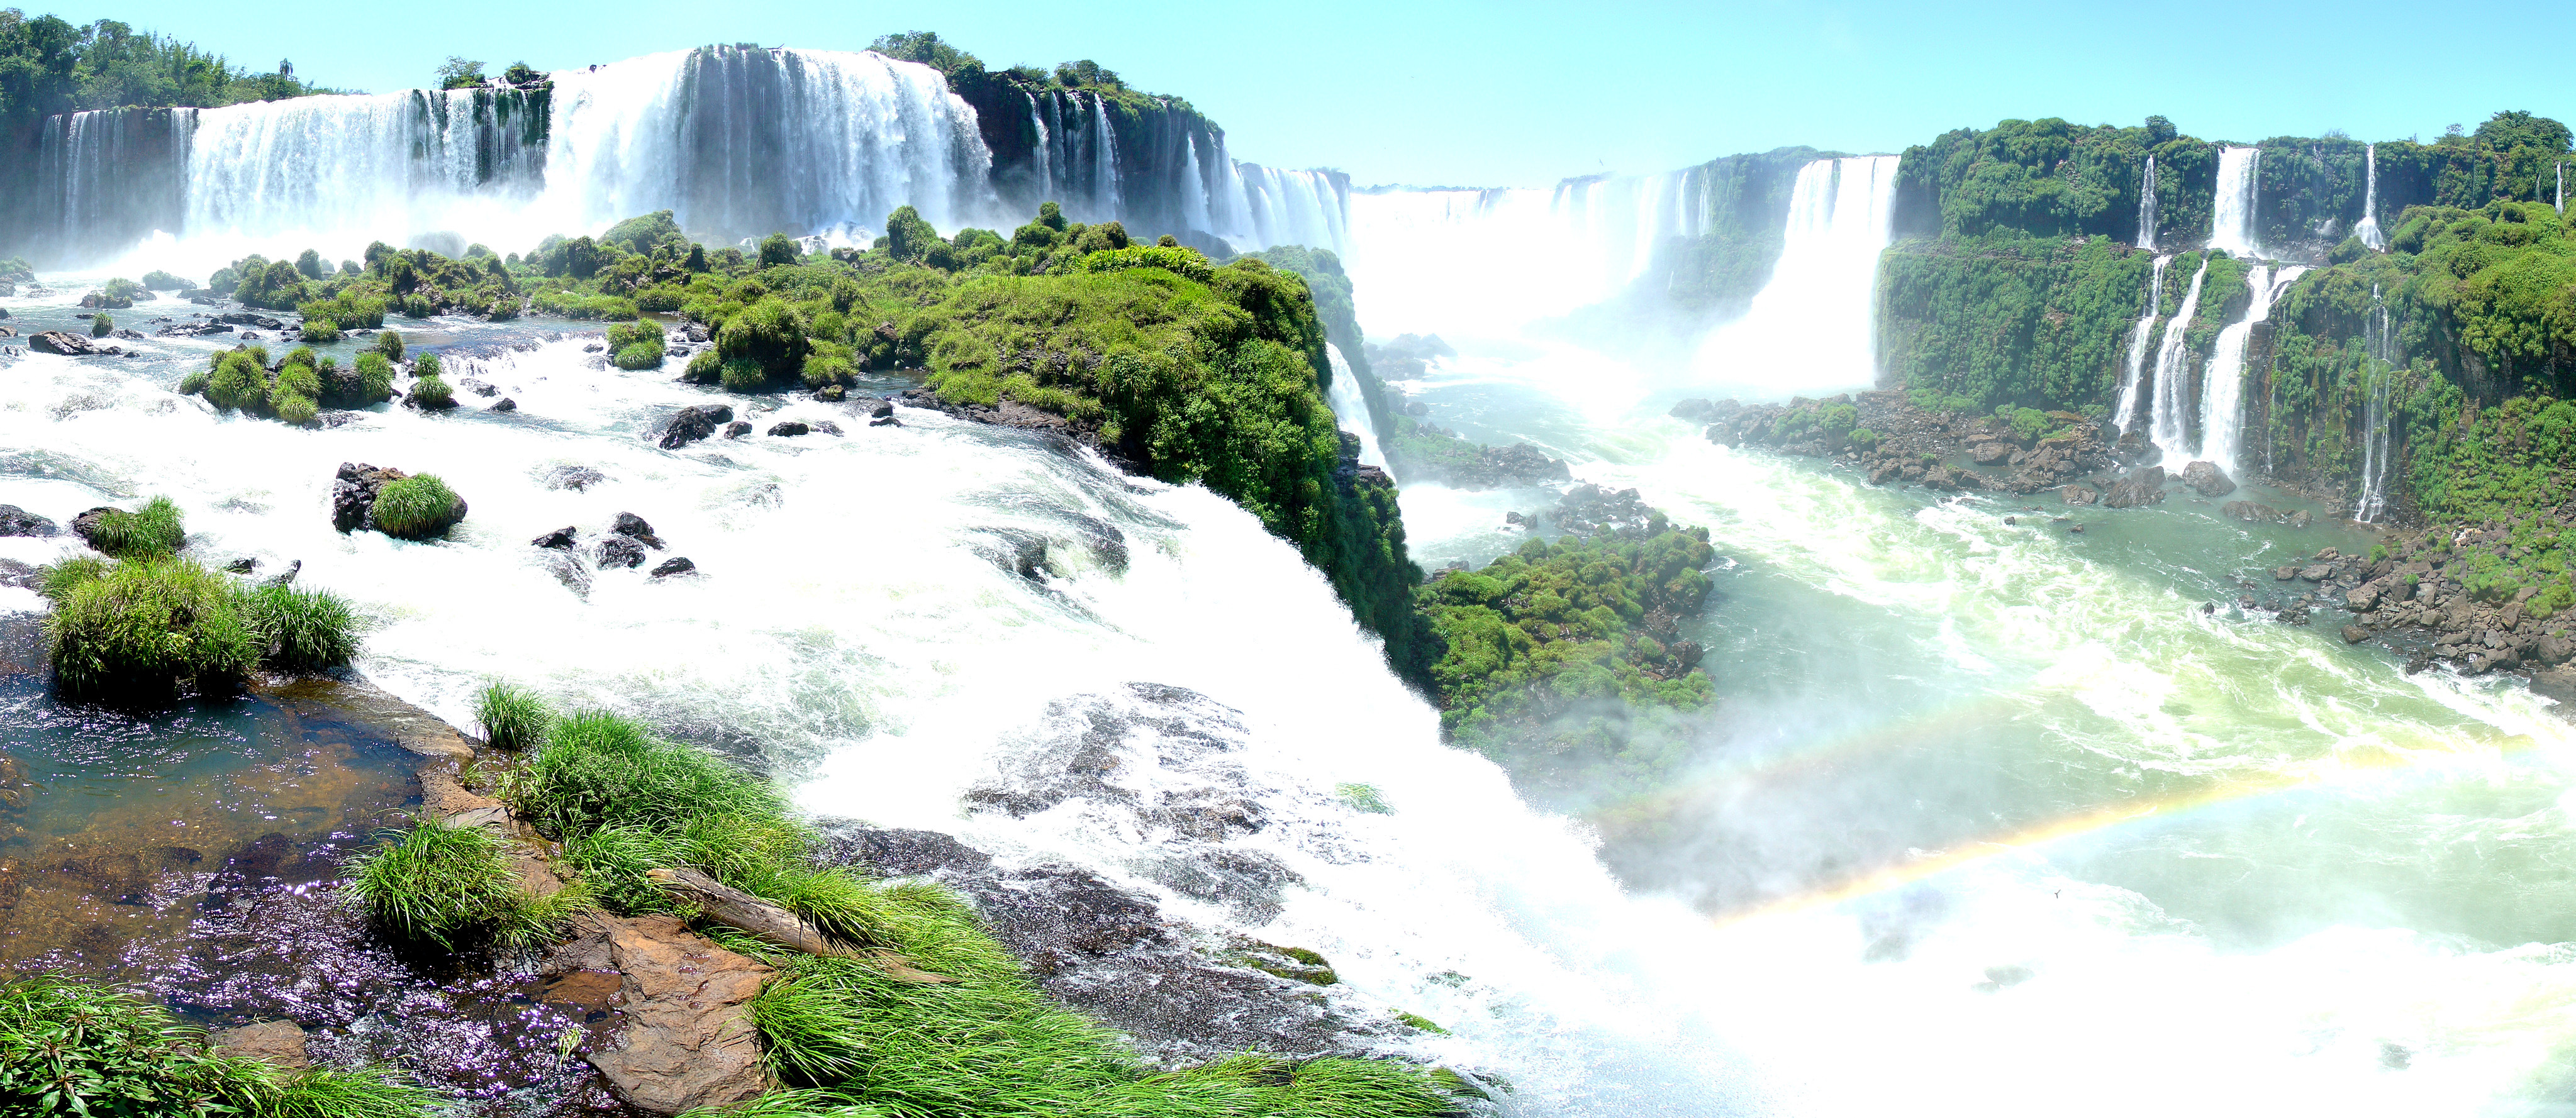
x=49, y=65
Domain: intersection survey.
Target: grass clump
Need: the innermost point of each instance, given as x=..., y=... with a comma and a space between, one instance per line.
x=74, y=1048
x=454, y=886
x=103, y=325
x=511, y=718
x=418, y=507
x=155, y=529
x=301, y=630
x=146, y=629
x=636, y=345
x=847, y=1038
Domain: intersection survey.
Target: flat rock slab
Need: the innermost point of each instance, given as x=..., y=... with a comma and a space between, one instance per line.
x=688, y=1040
x=276, y=1043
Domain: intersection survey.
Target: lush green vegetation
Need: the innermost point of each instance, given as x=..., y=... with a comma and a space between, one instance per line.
x=454, y=886
x=1554, y=656
x=985, y=1041
x=296, y=389
x=511, y=718
x=148, y=626
x=418, y=507
x=152, y=531
x=70, y=1047
x=49, y=65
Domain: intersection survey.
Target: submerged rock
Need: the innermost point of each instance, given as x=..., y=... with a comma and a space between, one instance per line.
x=676, y=565
x=560, y=539
x=15, y=521
x=620, y=551
x=575, y=478
x=693, y=423
x=2207, y=479
x=631, y=525
x=275, y=1043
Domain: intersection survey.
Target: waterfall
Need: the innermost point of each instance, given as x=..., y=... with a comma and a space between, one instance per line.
x=2222, y=398
x=2138, y=336
x=1810, y=329
x=2166, y=417
x=2561, y=203
x=1104, y=158
x=2380, y=351
x=737, y=142
x=2147, y=211
x=1350, y=407
x=2368, y=229
x=2233, y=225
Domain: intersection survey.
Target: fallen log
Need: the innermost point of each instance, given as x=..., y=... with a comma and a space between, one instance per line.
x=771, y=923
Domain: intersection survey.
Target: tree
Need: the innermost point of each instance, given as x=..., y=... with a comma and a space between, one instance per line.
x=1087, y=74
x=520, y=73
x=2515, y=128
x=460, y=73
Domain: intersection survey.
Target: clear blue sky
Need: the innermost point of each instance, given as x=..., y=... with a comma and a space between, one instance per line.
x=1525, y=93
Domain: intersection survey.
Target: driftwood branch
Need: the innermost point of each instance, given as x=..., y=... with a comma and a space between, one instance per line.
x=753, y=916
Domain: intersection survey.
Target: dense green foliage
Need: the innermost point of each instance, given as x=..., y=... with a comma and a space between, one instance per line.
x=511, y=718
x=148, y=625
x=48, y=65
x=296, y=390
x=418, y=507
x=70, y=1048
x=454, y=886
x=1549, y=652
x=984, y=1042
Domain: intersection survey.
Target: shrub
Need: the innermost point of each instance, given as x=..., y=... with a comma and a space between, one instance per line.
x=417, y=507
x=102, y=325
x=822, y=369
x=239, y=382
x=144, y=629
x=454, y=886
x=777, y=248
x=196, y=382
x=417, y=305
x=427, y=365
x=69, y=1047
x=511, y=718
x=637, y=345
x=294, y=408
x=504, y=308
x=742, y=374
x=157, y=280
x=390, y=343
x=156, y=529
x=301, y=630
x=704, y=368
x=432, y=393
x=376, y=376
x=768, y=332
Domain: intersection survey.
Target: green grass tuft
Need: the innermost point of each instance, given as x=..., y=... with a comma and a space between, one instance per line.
x=302, y=630
x=144, y=629
x=417, y=507
x=436, y=882
x=154, y=529
x=511, y=718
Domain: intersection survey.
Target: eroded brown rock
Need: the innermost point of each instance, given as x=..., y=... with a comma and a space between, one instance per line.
x=688, y=1040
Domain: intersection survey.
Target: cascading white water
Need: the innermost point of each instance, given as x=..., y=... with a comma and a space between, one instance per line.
x=1350, y=408
x=2233, y=224
x=2368, y=227
x=2147, y=208
x=2134, y=372
x=2222, y=396
x=2561, y=202
x=2380, y=348
x=1104, y=164
x=2168, y=418
x=1809, y=330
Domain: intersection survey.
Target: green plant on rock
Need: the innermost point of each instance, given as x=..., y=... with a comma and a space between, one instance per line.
x=454, y=885
x=102, y=325
x=154, y=530
x=145, y=629
x=636, y=345
x=511, y=718
x=431, y=393
x=300, y=629
x=375, y=377
x=69, y=1047
x=768, y=333
x=418, y=507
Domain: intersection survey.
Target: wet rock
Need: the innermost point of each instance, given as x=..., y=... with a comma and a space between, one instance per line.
x=2362, y=599
x=1990, y=453
x=575, y=478
x=899, y=852
x=885, y=421
x=353, y=494
x=631, y=525
x=478, y=386
x=826, y=427
x=17, y=789
x=2079, y=495
x=65, y=345
x=506, y=404
x=85, y=525
x=883, y=410
x=2207, y=479
x=192, y=329
x=688, y=1041
x=560, y=539
x=831, y=393
x=2554, y=649
x=2316, y=573
x=693, y=423
x=20, y=575
x=2355, y=634
x=737, y=429
x=245, y=318
x=242, y=566
x=275, y=1043
x=787, y=428
x=2144, y=486
x=15, y=521
x=676, y=565
x=620, y=551
x=287, y=576
x=2301, y=518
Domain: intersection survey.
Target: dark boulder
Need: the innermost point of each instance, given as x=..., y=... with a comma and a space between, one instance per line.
x=635, y=527
x=2079, y=495
x=560, y=539
x=15, y=521
x=826, y=427
x=353, y=494
x=506, y=404
x=620, y=551
x=675, y=565
x=737, y=429
x=788, y=428
x=62, y=344
x=693, y=423
x=245, y=318
x=883, y=409
x=2144, y=486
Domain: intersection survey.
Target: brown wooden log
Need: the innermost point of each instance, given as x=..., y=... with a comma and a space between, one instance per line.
x=751, y=915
